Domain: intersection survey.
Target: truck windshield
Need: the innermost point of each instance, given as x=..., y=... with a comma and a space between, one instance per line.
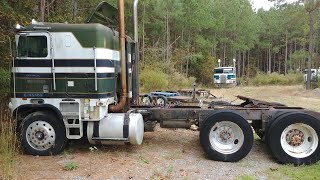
x=312, y=71
x=218, y=71
x=32, y=46
x=221, y=71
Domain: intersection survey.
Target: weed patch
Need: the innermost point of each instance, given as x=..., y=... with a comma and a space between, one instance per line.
x=144, y=160
x=295, y=173
x=8, y=144
x=70, y=166
x=246, y=177
x=276, y=79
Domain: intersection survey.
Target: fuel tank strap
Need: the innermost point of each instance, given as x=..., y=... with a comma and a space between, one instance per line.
x=96, y=129
x=126, y=122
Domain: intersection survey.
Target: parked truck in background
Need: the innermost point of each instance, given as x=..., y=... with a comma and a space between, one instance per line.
x=225, y=76
x=315, y=74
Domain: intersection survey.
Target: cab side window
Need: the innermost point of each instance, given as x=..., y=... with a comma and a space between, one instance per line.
x=32, y=46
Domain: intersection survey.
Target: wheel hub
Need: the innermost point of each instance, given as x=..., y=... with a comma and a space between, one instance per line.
x=295, y=137
x=225, y=136
x=40, y=135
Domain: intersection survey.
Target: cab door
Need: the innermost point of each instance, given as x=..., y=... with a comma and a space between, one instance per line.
x=32, y=66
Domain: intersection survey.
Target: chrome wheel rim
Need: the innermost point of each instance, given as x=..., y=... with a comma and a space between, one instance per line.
x=146, y=100
x=226, y=137
x=40, y=135
x=160, y=102
x=299, y=140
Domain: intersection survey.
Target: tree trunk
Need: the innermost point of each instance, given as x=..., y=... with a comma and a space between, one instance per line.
x=290, y=57
x=243, y=63
x=75, y=9
x=181, y=59
x=274, y=63
x=42, y=10
x=215, y=45
x=224, y=53
x=295, y=49
x=286, y=55
x=310, y=51
x=189, y=39
x=168, y=37
x=239, y=63
x=269, y=70
x=279, y=66
x=248, y=66
x=265, y=65
x=143, y=37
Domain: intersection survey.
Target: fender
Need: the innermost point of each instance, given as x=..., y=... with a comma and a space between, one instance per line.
x=218, y=112
x=38, y=107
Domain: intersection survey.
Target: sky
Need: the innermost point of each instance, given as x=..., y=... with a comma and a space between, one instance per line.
x=265, y=4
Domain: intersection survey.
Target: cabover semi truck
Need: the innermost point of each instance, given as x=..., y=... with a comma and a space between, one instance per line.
x=72, y=81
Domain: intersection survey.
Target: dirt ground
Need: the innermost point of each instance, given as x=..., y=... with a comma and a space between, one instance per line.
x=166, y=153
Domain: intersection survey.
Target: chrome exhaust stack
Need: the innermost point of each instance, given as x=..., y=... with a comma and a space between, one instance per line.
x=135, y=68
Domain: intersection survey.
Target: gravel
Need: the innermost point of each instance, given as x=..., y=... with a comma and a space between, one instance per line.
x=165, y=154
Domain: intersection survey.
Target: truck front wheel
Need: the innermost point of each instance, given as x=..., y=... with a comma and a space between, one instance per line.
x=295, y=139
x=226, y=136
x=42, y=134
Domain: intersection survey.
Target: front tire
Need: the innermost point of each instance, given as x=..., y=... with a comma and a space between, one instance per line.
x=226, y=136
x=42, y=133
x=295, y=139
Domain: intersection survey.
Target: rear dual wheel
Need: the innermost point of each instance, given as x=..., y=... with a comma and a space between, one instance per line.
x=294, y=138
x=226, y=136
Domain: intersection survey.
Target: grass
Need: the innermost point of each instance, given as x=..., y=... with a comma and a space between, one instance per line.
x=273, y=79
x=255, y=136
x=71, y=166
x=170, y=170
x=245, y=177
x=295, y=173
x=162, y=173
x=143, y=159
x=295, y=95
x=8, y=144
x=172, y=155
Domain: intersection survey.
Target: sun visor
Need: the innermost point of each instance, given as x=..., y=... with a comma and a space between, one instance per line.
x=104, y=14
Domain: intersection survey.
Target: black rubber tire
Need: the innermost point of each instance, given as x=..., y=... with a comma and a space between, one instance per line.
x=165, y=100
x=232, y=117
x=58, y=126
x=279, y=125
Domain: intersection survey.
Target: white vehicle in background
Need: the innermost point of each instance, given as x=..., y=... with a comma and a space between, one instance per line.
x=224, y=76
x=315, y=74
